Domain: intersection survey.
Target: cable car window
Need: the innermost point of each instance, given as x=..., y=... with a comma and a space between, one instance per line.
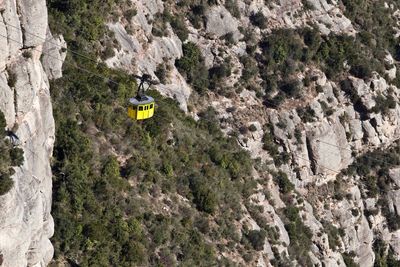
x=140, y=108
x=151, y=106
x=146, y=107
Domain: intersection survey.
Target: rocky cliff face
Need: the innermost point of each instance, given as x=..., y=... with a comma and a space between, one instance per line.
x=317, y=149
x=320, y=135
x=25, y=222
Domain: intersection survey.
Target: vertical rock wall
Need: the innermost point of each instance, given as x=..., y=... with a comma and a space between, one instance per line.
x=25, y=221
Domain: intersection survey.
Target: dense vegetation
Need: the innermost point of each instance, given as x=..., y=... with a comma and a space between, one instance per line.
x=10, y=156
x=163, y=192
x=170, y=191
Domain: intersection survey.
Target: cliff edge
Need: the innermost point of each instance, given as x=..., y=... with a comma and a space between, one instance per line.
x=25, y=222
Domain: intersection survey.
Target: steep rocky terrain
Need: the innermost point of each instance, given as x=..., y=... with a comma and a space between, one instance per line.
x=311, y=137
x=25, y=222
x=281, y=147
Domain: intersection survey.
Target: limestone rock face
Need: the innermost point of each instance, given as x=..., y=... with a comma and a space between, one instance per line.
x=221, y=22
x=25, y=222
x=54, y=50
x=310, y=151
x=329, y=147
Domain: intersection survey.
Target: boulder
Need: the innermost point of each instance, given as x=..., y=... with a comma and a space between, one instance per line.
x=328, y=147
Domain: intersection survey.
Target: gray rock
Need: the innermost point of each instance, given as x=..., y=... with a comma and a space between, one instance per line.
x=54, y=53
x=394, y=201
x=329, y=148
x=395, y=243
x=14, y=33
x=147, y=57
x=371, y=133
x=3, y=44
x=25, y=222
x=33, y=16
x=221, y=22
x=7, y=100
x=394, y=174
x=356, y=129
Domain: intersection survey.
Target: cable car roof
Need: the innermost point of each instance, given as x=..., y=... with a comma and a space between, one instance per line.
x=142, y=101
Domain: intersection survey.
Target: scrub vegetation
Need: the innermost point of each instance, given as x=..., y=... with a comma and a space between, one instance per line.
x=163, y=192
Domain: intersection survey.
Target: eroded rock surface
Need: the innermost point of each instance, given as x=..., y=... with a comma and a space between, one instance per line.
x=25, y=222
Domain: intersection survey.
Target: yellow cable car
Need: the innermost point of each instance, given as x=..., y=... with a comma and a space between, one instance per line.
x=141, y=109
x=142, y=106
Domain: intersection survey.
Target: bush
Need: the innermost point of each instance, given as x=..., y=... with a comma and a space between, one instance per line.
x=161, y=73
x=17, y=156
x=27, y=54
x=285, y=185
x=108, y=51
x=306, y=114
x=257, y=239
x=232, y=7
x=258, y=19
x=298, y=136
x=204, y=196
x=12, y=79
x=179, y=27
x=6, y=183
x=291, y=88
x=384, y=104
x=252, y=128
x=299, y=234
x=191, y=65
x=130, y=13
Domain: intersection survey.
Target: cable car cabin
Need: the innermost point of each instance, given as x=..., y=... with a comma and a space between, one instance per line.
x=141, y=108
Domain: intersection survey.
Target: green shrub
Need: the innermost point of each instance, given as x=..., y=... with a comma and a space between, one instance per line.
x=108, y=51
x=252, y=128
x=179, y=27
x=306, y=114
x=12, y=79
x=3, y=125
x=299, y=234
x=298, y=136
x=159, y=25
x=285, y=185
x=232, y=7
x=257, y=239
x=192, y=65
x=16, y=156
x=348, y=260
x=130, y=13
x=161, y=73
x=258, y=19
x=27, y=54
x=384, y=104
x=250, y=68
x=6, y=183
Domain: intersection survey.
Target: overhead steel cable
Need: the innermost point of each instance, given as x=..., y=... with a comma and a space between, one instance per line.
x=70, y=64
x=317, y=164
x=116, y=83
x=53, y=43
